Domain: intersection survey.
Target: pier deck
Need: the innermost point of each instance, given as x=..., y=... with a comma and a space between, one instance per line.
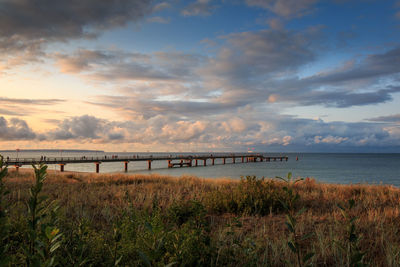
x=173, y=160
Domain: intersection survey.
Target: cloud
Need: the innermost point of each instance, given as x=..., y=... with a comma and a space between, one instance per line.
x=371, y=66
x=24, y=106
x=198, y=8
x=255, y=68
x=161, y=6
x=390, y=118
x=285, y=8
x=15, y=129
x=250, y=55
x=157, y=19
x=273, y=132
x=118, y=65
x=5, y=100
x=27, y=26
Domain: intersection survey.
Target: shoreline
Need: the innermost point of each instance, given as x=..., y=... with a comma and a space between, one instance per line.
x=118, y=175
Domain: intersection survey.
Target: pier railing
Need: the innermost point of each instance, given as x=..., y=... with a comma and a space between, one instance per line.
x=184, y=160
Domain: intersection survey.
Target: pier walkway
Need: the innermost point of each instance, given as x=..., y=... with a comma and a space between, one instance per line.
x=172, y=160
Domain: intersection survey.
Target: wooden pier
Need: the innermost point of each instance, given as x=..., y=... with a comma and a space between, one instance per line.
x=173, y=161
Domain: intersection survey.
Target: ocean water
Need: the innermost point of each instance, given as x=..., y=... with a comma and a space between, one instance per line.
x=342, y=168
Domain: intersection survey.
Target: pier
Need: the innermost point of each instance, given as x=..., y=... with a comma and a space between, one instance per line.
x=173, y=161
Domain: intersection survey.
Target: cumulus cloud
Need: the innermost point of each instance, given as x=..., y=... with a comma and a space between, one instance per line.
x=272, y=132
x=199, y=8
x=15, y=129
x=285, y=8
x=86, y=127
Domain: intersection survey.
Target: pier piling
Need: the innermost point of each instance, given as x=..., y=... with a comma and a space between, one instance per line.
x=173, y=161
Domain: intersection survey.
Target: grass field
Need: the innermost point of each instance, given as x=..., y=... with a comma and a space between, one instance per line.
x=154, y=220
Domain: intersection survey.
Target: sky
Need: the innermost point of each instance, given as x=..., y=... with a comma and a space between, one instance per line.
x=200, y=75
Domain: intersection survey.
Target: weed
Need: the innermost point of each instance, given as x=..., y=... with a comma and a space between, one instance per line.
x=43, y=236
x=4, y=220
x=350, y=246
x=296, y=240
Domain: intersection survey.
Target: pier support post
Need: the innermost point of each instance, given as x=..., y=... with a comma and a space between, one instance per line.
x=126, y=166
x=261, y=159
x=169, y=164
x=213, y=161
x=205, y=162
x=286, y=158
x=233, y=160
x=242, y=159
x=223, y=160
x=247, y=159
x=281, y=158
x=196, y=162
x=62, y=167
x=97, y=166
x=149, y=164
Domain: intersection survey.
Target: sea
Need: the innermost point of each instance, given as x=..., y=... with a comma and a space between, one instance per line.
x=338, y=168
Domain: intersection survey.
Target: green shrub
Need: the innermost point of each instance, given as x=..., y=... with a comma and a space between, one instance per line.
x=252, y=196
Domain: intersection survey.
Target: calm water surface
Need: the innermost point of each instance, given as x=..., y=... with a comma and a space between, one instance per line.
x=324, y=167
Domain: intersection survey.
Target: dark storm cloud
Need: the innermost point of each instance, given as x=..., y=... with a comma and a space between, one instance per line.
x=15, y=129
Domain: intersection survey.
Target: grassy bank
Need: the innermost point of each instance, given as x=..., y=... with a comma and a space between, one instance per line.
x=143, y=220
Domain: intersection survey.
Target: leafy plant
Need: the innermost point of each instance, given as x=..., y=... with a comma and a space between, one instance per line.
x=350, y=246
x=4, y=220
x=296, y=240
x=43, y=235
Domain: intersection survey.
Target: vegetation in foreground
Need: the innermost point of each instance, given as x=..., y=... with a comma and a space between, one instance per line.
x=76, y=219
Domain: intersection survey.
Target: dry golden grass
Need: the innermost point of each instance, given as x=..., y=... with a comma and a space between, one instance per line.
x=102, y=197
